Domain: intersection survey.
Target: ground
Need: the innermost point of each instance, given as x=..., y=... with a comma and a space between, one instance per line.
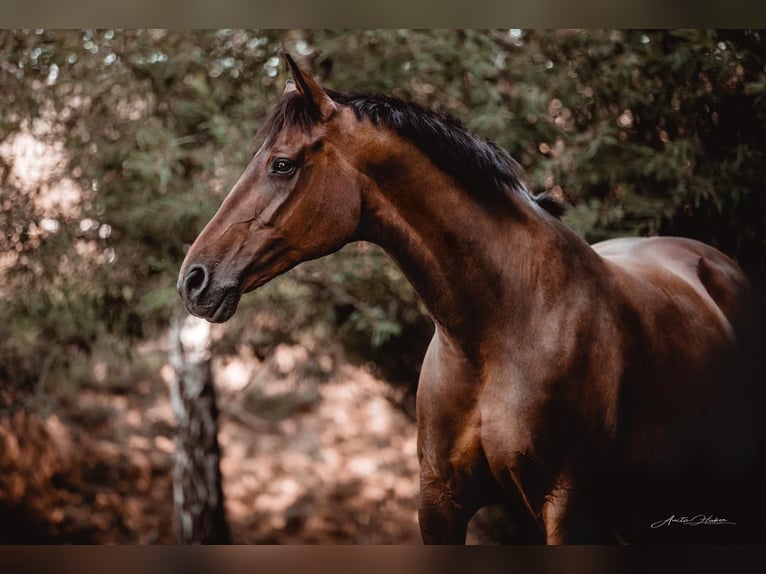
x=315, y=451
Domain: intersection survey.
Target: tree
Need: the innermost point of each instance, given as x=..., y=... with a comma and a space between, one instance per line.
x=200, y=515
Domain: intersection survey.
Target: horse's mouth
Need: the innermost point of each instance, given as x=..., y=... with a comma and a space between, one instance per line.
x=219, y=310
x=227, y=307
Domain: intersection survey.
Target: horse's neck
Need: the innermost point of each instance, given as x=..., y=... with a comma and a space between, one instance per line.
x=473, y=265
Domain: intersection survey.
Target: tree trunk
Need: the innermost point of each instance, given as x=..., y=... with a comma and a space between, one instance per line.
x=197, y=493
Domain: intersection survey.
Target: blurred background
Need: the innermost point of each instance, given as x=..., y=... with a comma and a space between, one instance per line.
x=117, y=146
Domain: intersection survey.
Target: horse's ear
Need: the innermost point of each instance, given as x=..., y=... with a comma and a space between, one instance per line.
x=319, y=101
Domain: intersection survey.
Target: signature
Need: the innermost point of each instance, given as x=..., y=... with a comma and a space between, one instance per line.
x=697, y=520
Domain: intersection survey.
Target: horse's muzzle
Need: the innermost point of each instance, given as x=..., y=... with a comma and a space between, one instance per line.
x=203, y=298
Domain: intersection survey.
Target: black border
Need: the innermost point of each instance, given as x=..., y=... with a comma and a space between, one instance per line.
x=380, y=559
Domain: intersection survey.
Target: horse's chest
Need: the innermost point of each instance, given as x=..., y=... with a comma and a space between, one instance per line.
x=530, y=439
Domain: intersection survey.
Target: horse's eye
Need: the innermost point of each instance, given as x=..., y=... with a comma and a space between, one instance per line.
x=282, y=166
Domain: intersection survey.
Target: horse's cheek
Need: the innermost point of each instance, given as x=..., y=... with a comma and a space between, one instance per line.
x=340, y=208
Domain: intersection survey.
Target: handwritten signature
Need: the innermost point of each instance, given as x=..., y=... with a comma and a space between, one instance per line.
x=697, y=520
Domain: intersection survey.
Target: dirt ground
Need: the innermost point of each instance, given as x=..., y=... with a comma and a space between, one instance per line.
x=315, y=451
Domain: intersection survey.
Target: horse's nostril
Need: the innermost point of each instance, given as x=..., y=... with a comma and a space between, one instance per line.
x=195, y=281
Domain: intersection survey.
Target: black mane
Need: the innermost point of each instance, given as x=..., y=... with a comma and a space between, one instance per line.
x=481, y=166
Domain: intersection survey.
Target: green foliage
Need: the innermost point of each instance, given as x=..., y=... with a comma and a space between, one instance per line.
x=641, y=131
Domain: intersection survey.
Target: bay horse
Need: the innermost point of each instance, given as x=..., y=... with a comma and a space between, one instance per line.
x=600, y=392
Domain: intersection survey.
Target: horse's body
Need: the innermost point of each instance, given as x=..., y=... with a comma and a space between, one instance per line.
x=596, y=389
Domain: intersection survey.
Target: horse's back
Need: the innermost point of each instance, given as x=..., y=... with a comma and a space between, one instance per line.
x=720, y=283
x=693, y=386
x=696, y=329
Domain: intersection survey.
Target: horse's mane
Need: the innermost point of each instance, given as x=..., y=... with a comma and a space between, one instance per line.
x=481, y=166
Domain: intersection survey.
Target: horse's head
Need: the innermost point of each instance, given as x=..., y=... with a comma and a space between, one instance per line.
x=298, y=199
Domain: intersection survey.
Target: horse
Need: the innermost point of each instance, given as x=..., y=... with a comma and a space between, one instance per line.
x=599, y=391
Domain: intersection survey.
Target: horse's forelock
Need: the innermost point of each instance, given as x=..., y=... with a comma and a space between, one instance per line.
x=291, y=111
